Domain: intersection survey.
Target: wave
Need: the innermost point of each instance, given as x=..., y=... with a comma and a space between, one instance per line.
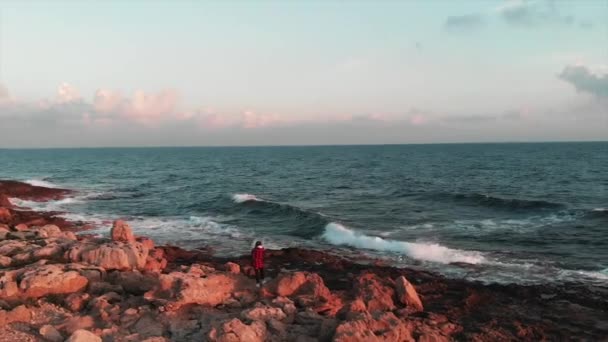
x=337, y=234
x=600, y=209
x=505, y=203
x=40, y=182
x=58, y=205
x=242, y=198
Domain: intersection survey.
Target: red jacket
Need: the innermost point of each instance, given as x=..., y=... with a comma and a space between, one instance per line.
x=257, y=257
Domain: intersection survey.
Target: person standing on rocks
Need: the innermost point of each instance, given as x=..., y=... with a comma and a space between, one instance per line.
x=257, y=260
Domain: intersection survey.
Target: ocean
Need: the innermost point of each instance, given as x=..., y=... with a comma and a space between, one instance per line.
x=497, y=213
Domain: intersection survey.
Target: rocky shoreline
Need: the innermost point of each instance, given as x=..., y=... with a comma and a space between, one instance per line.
x=56, y=285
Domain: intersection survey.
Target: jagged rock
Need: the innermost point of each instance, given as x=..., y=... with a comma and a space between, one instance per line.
x=19, y=314
x=352, y=309
x=286, y=305
x=9, y=289
x=5, y=215
x=76, y=323
x=302, y=284
x=374, y=292
x=49, y=333
x=263, y=313
x=111, y=256
x=147, y=326
x=232, y=268
x=82, y=335
x=77, y=301
x=52, y=251
x=177, y=289
x=134, y=282
x=382, y=327
x=406, y=293
x=49, y=231
x=121, y=231
x=50, y=279
x=5, y=201
x=237, y=331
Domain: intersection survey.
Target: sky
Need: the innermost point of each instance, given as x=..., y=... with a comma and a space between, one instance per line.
x=201, y=73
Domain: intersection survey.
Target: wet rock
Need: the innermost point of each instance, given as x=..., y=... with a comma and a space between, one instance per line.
x=50, y=279
x=236, y=331
x=406, y=294
x=121, y=231
x=83, y=336
x=49, y=333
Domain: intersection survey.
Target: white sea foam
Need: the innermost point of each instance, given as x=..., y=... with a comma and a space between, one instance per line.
x=39, y=182
x=600, y=209
x=337, y=234
x=58, y=205
x=241, y=198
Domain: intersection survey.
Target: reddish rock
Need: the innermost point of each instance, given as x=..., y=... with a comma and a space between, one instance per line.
x=5, y=261
x=406, y=294
x=263, y=313
x=148, y=326
x=374, y=292
x=76, y=301
x=121, y=231
x=134, y=282
x=50, y=279
x=49, y=231
x=19, y=314
x=177, y=289
x=237, y=331
x=310, y=286
x=382, y=327
x=31, y=192
x=20, y=227
x=5, y=201
x=232, y=268
x=82, y=335
x=5, y=215
x=112, y=256
x=76, y=323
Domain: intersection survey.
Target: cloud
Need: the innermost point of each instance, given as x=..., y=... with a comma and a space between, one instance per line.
x=67, y=93
x=584, y=80
x=464, y=23
x=530, y=14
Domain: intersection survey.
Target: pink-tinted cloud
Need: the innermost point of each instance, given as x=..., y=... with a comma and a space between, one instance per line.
x=67, y=93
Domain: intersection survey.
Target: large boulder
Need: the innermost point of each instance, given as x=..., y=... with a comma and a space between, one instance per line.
x=302, y=284
x=45, y=280
x=406, y=294
x=49, y=231
x=111, y=256
x=375, y=292
x=121, y=231
x=236, y=331
x=177, y=289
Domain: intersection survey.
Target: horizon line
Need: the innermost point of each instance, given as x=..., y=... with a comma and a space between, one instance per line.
x=306, y=145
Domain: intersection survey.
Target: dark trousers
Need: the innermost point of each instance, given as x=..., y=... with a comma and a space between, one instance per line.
x=259, y=275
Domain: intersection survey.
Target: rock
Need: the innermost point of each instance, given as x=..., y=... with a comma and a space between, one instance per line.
x=406, y=294
x=76, y=323
x=286, y=305
x=112, y=256
x=3, y=231
x=278, y=329
x=83, y=336
x=236, y=331
x=20, y=227
x=147, y=326
x=302, y=284
x=101, y=287
x=50, y=279
x=5, y=215
x=177, y=289
x=76, y=301
x=232, y=268
x=134, y=282
x=49, y=231
x=49, y=333
x=263, y=313
x=5, y=261
x=352, y=309
x=374, y=292
x=52, y=251
x=8, y=286
x=122, y=232
x=432, y=337
x=5, y=201
x=19, y=314
x=383, y=327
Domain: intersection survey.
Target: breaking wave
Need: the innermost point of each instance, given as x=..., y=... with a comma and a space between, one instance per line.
x=337, y=234
x=242, y=198
x=40, y=182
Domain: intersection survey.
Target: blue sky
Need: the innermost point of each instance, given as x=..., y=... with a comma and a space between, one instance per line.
x=324, y=72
